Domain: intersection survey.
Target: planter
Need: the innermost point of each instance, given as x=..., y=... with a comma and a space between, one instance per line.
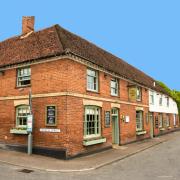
x=18, y=131
x=138, y=133
x=89, y=142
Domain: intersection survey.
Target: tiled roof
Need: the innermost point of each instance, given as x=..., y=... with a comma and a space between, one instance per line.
x=55, y=41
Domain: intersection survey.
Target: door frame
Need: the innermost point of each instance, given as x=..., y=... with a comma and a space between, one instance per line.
x=115, y=126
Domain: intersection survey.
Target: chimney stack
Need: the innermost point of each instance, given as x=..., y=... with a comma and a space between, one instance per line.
x=27, y=24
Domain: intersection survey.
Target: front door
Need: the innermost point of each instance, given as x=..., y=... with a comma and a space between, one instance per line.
x=115, y=126
x=151, y=120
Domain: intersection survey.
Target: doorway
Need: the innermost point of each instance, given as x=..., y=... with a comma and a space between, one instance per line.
x=115, y=126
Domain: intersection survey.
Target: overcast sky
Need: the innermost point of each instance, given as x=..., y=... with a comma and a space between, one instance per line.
x=145, y=33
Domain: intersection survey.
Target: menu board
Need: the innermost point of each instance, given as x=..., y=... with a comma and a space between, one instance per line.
x=107, y=118
x=51, y=115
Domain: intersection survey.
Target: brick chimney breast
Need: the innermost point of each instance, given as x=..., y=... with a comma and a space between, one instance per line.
x=27, y=24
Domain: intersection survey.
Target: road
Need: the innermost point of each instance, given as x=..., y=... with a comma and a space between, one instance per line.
x=160, y=162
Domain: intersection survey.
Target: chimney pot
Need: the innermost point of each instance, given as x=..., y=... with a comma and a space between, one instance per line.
x=27, y=24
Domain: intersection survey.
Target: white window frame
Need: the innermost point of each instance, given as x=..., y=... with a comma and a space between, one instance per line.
x=160, y=116
x=92, y=111
x=174, y=120
x=160, y=100
x=138, y=93
x=92, y=80
x=114, y=87
x=167, y=121
x=167, y=102
x=151, y=97
x=139, y=121
x=25, y=111
x=23, y=75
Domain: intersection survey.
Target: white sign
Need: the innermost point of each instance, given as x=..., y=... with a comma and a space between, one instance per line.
x=127, y=119
x=50, y=130
x=29, y=123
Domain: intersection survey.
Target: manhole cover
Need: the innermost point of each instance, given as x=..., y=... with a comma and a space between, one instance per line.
x=26, y=171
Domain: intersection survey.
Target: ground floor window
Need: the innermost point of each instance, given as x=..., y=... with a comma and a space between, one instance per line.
x=139, y=120
x=92, y=123
x=160, y=120
x=167, y=121
x=21, y=115
x=174, y=119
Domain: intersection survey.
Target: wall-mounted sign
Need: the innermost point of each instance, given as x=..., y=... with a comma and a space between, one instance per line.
x=50, y=130
x=132, y=93
x=107, y=118
x=29, y=123
x=51, y=115
x=127, y=119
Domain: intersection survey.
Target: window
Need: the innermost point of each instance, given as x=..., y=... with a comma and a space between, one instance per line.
x=138, y=94
x=160, y=100
x=92, y=80
x=92, y=126
x=167, y=120
x=160, y=120
x=139, y=120
x=21, y=115
x=167, y=101
x=174, y=119
x=51, y=115
x=151, y=97
x=114, y=87
x=23, y=76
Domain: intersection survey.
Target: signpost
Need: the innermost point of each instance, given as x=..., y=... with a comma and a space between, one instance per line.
x=30, y=125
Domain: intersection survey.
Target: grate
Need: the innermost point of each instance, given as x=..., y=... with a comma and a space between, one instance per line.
x=26, y=171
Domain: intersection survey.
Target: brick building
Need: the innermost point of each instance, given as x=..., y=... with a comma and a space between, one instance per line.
x=84, y=99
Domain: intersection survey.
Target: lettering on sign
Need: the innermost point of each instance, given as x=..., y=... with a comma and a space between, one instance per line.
x=50, y=130
x=132, y=93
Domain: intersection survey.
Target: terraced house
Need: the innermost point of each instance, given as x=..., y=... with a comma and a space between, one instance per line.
x=84, y=99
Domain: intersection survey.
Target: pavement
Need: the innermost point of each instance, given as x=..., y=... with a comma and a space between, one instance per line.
x=86, y=163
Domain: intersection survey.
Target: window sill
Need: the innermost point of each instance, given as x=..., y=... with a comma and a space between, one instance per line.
x=169, y=127
x=92, y=91
x=89, y=142
x=138, y=133
x=18, y=131
x=25, y=86
x=161, y=129
x=175, y=126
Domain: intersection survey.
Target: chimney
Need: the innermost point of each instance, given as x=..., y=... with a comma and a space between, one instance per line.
x=27, y=24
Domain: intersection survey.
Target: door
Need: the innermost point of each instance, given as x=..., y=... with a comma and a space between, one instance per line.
x=151, y=121
x=115, y=126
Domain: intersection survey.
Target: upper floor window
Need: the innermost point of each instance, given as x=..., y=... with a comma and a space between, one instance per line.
x=160, y=100
x=167, y=102
x=92, y=80
x=151, y=99
x=138, y=93
x=114, y=87
x=21, y=115
x=23, y=76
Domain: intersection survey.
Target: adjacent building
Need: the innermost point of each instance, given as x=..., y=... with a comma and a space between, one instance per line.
x=84, y=99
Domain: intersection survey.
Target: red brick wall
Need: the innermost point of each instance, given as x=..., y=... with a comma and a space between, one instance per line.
x=66, y=76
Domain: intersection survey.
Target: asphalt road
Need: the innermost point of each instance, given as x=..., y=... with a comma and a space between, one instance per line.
x=161, y=162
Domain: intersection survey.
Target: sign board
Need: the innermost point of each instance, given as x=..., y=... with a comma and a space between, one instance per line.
x=132, y=93
x=50, y=130
x=127, y=119
x=29, y=123
x=107, y=118
x=51, y=115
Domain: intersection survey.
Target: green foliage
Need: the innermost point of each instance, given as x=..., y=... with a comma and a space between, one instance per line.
x=173, y=93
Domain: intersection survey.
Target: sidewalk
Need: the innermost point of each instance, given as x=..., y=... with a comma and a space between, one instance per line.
x=91, y=162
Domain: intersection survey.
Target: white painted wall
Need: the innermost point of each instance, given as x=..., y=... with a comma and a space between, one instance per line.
x=155, y=107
